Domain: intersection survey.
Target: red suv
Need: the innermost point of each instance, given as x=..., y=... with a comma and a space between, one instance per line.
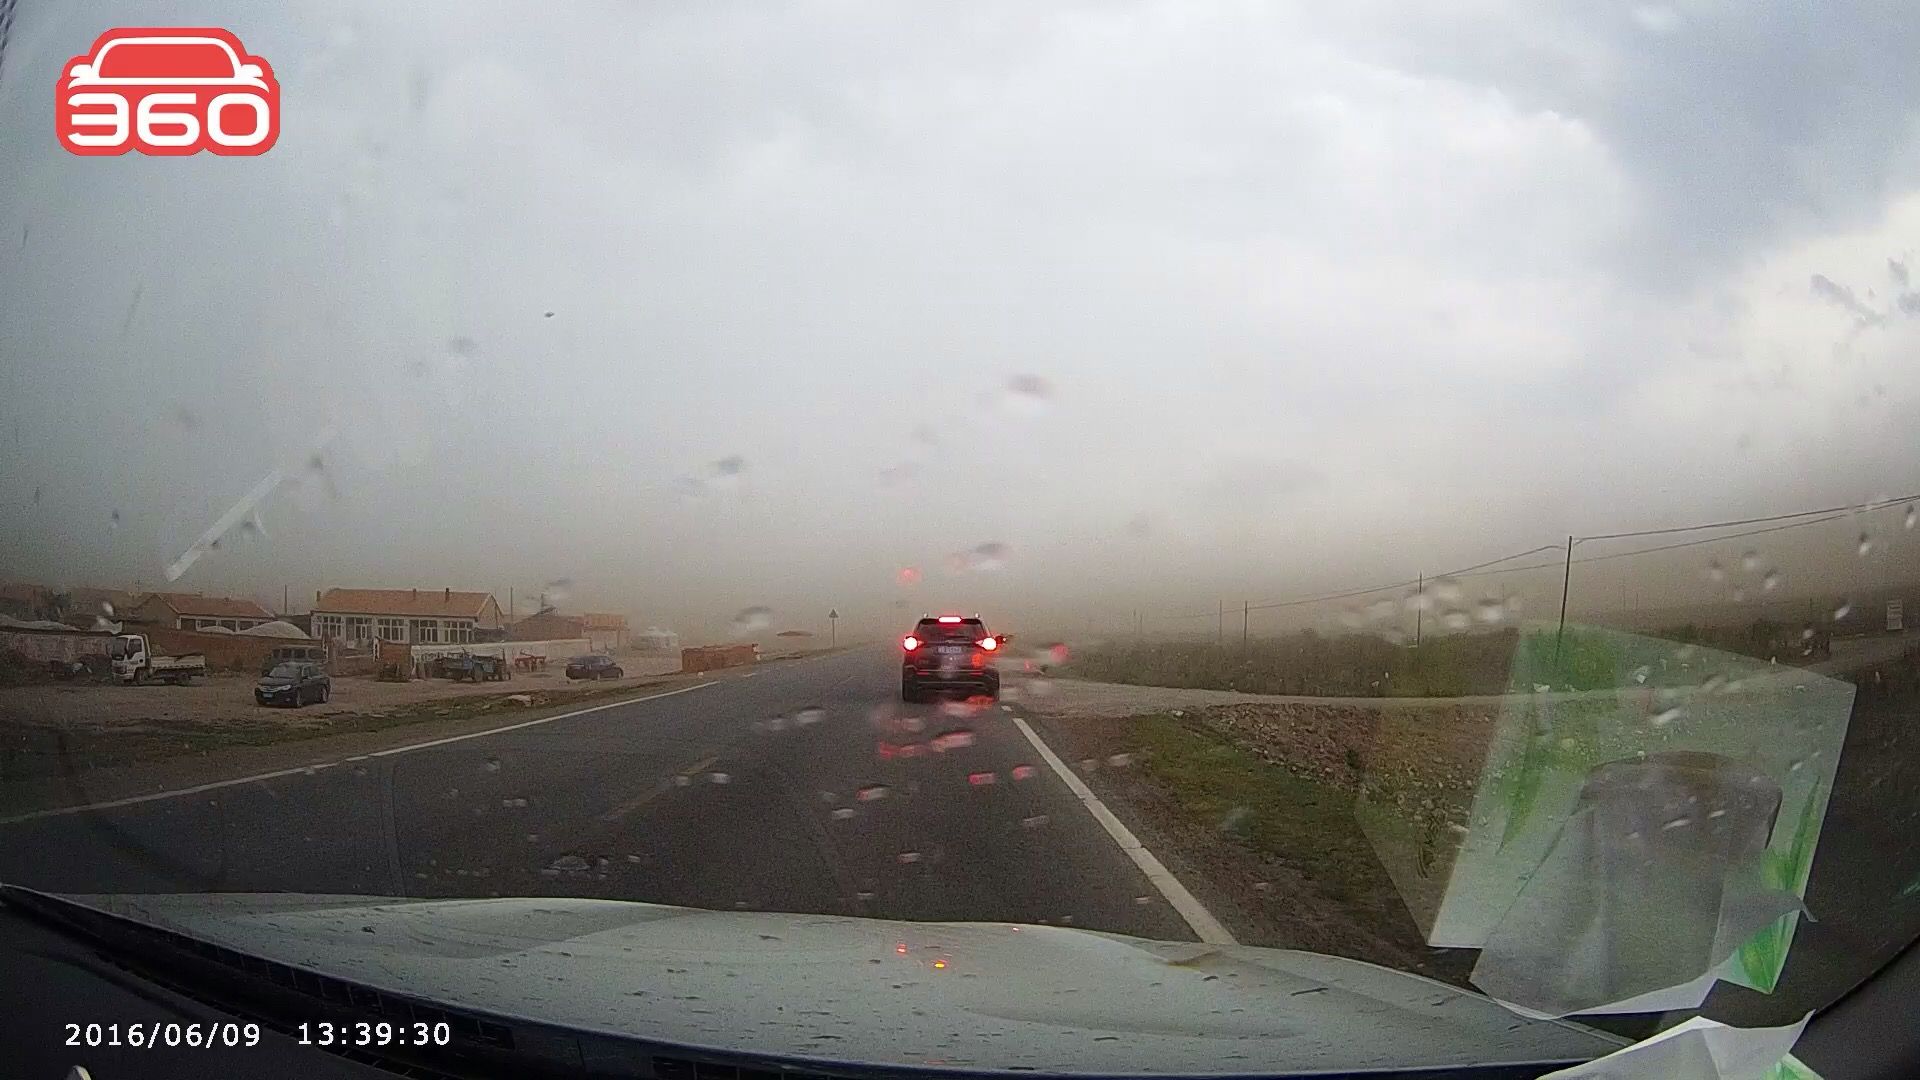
x=948, y=652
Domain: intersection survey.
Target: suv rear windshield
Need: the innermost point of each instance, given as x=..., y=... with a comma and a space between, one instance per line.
x=964, y=630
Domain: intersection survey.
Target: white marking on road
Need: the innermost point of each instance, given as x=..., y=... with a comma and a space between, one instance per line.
x=133, y=800
x=661, y=788
x=1205, y=926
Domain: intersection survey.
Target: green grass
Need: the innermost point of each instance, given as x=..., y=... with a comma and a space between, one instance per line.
x=1362, y=665
x=1348, y=665
x=1297, y=821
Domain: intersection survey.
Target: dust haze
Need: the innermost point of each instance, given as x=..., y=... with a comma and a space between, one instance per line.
x=1058, y=316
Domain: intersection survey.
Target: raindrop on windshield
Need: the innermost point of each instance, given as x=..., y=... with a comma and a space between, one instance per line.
x=981, y=779
x=1771, y=582
x=1120, y=761
x=1865, y=546
x=1456, y=620
x=1665, y=717
x=752, y=620
x=1445, y=590
x=1678, y=823
x=113, y=520
x=1028, y=394
x=727, y=472
x=1033, y=822
x=988, y=557
x=1716, y=571
x=546, y=314
x=953, y=740
x=1490, y=611
x=720, y=778
x=462, y=346
x=842, y=813
x=1024, y=772
x=909, y=857
x=1750, y=560
x=493, y=764
x=1845, y=609
x=871, y=792
x=908, y=575
x=1908, y=521
x=812, y=714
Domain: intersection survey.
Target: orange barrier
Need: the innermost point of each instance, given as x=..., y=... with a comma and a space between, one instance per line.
x=709, y=657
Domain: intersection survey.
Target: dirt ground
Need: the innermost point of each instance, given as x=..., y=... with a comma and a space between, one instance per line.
x=219, y=699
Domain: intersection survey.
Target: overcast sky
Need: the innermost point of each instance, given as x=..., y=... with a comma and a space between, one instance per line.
x=1175, y=302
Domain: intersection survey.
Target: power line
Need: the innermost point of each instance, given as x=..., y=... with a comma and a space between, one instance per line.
x=1468, y=570
x=1269, y=605
x=1859, y=508
x=1712, y=539
x=1818, y=517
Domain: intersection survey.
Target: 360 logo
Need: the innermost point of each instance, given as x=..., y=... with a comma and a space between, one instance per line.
x=169, y=91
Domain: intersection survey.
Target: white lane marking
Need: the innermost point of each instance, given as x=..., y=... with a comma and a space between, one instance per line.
x=410, y=748
x=1205, y=926
x=132, y=800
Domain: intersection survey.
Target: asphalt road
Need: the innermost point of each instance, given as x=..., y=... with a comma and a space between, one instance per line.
x=807, y=787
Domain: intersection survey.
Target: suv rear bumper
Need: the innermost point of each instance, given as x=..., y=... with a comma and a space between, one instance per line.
x=934, y=678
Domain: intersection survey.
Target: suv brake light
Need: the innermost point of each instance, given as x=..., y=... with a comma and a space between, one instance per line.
x=949, y=618
x=989, y=644
x=909, y=643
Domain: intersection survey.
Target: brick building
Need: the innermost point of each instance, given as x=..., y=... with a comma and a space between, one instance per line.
x=193, y=611
x=548, y=626
x=407, y=616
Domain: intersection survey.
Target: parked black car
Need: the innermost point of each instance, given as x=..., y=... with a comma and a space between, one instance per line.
x=293, y=683
x=593, y=667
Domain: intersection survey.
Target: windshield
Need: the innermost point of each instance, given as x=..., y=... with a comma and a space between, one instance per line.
x=1445, y=475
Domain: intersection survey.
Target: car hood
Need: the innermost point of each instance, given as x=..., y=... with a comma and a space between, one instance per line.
x=837, y=989
x=276, y=682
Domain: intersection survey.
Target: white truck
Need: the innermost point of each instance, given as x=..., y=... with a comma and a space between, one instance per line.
x=134, y=662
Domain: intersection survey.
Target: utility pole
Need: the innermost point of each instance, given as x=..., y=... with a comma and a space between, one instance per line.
x=284, y=606
x=1220, y=631
x=509, y=603
x=1246, y=610
x=1419, y=605
x=1566, y=583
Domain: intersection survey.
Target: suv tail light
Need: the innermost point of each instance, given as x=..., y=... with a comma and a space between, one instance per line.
x=909, y=643
x=989, y=644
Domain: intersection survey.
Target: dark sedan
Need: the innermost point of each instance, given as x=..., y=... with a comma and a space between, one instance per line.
x=293, y=683
x=593, y=667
